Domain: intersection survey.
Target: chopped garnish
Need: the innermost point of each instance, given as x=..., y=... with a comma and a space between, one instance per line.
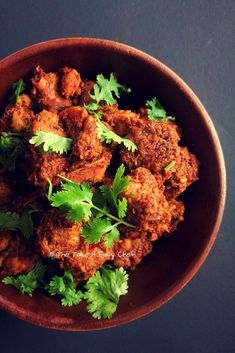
x=79, y=202
x=169, y=166
x=28, y=282
x=51, y=142
x=104, y=290
x=11, y=147
x=65, y=287
x=93, y=231
x=18, y=88
x=105, y=90
x=119, y=184
x=156, y=112
x=92, y=107
x=15, y=221
x=105, y=134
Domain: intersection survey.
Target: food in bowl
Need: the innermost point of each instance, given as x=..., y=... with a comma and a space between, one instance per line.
x=86, y=187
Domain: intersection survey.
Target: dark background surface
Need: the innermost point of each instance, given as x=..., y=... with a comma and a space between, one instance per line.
x=196, y=39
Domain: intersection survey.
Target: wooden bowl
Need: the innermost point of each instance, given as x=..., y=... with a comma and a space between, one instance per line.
x=175, y=260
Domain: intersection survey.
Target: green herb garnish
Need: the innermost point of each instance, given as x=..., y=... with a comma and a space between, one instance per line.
x=65, y=287
x=11, y=147
x=79, y=202
x=106, y=90
x=51, y=142
x=18, y=88
x=29, y=282
x=169, y=166
x=104, y=290
x=105, y=134
x=15, y=221
x=156, y=112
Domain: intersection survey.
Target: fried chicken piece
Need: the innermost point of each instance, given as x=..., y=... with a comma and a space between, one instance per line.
x=73, y=118
x=44, y=166
x=158, y=146
x=60, y=239
x=129, y=252
x=83, y=130
x=93, y=172
x=71, y=83
x=88, y=146
x=85, y=95
x=182, y=174
x=119, y=120
x=18, y=117
x=148, y=208
x=46, y=90
x=16, y=254
x=49, y=122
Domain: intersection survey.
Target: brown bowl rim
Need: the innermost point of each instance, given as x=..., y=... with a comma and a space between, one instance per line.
x=149, y=307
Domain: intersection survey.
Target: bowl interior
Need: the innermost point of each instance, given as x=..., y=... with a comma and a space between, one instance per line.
x=174, y=260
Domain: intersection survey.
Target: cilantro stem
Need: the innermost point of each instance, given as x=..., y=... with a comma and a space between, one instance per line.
x=118, y=220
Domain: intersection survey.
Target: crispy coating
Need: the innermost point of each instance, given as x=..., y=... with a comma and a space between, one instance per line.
x=47, y=121
x=16, y=254
x=73, y=118
x=93, y=172
x=87, y=146
x=44, y=166
x=85, y=96
x=129, y=252
x=158, y=146
x=46, y=90
x=148, y=208
x=18, y=117
x=120, y=120
x=71, y=83
x=60, y=239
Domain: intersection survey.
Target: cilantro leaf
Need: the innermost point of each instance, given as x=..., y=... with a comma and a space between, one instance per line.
x=75, y=198
x=94, y=230
x=104, y=290
x=18, y=88
x=119, y=184
x=28, y=282
x=156, y=112
x=65, y=287
x=107, y=135
x=14, y=221
x=51, y=142
x=105, y=90
x=79, y=201
x=11, y=147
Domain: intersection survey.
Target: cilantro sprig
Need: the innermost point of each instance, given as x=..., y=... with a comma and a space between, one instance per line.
x=79, y=201
x=28, y=282
x=11, y=148
x=51, y=142
x=64, y=286
x=106, y=90
x=156, y=112
x=104, y=290
x=111, y=194
x=18, y=88
x=15, y=221
x=107, y=135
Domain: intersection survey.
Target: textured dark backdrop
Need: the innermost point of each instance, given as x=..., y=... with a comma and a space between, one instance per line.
x=196, y=39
